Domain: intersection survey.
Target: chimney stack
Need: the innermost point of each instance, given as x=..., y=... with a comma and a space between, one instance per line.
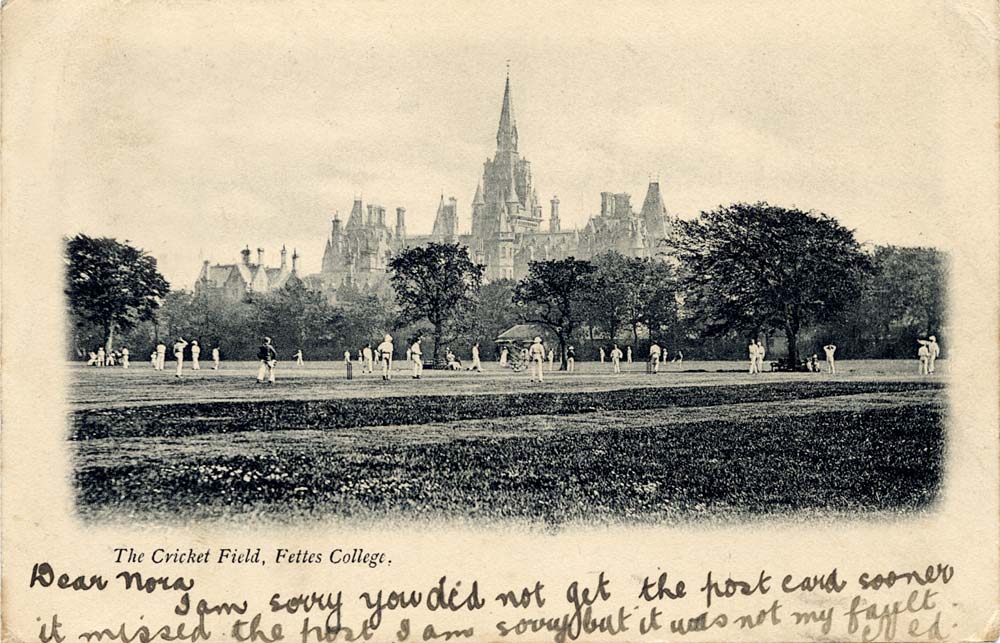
x=400, y=223
x=284, y=255
x=260, y=256
x=245, y=252
x=295, y=260
x=554, y=215
x=607, y=204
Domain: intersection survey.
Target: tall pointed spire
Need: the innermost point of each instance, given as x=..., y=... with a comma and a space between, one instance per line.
x=478, y=199
x=507, y=131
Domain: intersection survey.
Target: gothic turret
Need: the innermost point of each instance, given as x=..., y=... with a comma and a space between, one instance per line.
x=446, y=220
x=357, y=216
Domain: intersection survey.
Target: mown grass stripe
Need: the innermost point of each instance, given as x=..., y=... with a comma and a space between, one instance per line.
x=178, y=419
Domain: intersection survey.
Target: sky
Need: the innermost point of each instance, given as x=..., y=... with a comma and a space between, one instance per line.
x=193, y=130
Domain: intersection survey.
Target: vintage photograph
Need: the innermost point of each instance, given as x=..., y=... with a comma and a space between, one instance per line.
x=631, y=281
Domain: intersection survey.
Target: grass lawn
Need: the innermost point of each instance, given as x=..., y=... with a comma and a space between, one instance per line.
x=699, y=444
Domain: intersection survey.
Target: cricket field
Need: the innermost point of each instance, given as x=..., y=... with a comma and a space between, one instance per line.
x=702, y=441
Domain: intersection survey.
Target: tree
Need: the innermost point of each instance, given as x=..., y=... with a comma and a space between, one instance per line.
x=656, y=306
x=493, y=313
x=363, y=318
x=295, y=317
x=761, y=267
x=437, y=282
x=553, y=294
x=612, y=298
x=112, y=284
x=903, y=300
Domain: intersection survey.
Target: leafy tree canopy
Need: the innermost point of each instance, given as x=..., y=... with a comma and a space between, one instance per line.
x=112, y=284
x=762, y=267
x=554, y=294
x=437, y=282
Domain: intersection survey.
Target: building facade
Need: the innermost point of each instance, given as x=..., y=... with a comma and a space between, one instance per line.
x=508, y=228
x=233, y=282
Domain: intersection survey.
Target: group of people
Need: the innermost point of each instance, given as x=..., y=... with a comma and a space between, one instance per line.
x=159, y=356
x=383, y=354
x=535, y=356
x=101, y=358
x=532, y=357
x=927, y=354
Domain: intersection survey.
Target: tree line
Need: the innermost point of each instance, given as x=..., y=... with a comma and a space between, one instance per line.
x=740, y=271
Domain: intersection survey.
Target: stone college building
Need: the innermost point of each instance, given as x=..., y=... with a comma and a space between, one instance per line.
x=508, y=227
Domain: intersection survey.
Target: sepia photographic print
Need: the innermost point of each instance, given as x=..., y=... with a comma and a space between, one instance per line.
x=358, y=321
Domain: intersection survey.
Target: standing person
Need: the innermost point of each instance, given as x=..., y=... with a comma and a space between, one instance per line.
x=552, y=359
x=752, y=353
x=179, y=347
x=298, y=358
x=385, y=355
x=654, y=358
x=153, y=360
x=602, y=354
x=760, y=356
x=417, y=356
x=933, y=351
x=830, y=349
x=570, y=360
x=195, y=355
x=161, y=356
x=368, y=357
x=924, y=355
x=616, y=358
x=628, y=354
x=476, y=364
x=215, y=358
x=124, y=357
x=503, y=356
x=268, y=360
x=101, y=357
x=536, y=354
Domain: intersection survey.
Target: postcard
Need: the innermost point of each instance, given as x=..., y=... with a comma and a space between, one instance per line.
x=529, y=322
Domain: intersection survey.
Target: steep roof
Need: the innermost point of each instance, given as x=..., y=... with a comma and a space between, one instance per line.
x=216, y=276
x=357, y=217
x=507, y=130
x=653, y=204
x=524, y=333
